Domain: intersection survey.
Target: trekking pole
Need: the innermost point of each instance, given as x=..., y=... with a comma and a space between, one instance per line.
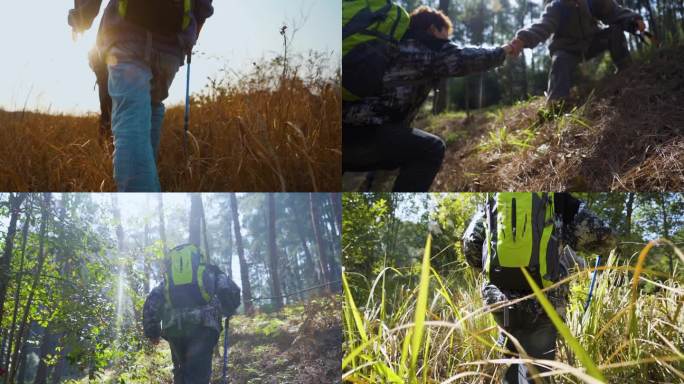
x=593, y=282
x=186, y=122
x=225, y=352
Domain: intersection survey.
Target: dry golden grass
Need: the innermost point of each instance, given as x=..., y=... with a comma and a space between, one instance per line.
x=265, y=132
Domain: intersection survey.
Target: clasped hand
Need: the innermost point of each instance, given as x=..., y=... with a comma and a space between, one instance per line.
x=514, y=47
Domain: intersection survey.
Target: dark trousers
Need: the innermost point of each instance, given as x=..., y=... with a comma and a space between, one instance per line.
x=564, y=63
x=191, y=354
x=537, y=338
x=417, y=154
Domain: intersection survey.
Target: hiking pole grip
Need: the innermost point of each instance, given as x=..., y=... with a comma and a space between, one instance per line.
x=225, y=351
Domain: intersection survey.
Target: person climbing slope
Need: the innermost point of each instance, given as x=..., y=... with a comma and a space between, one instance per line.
x=143, y=44
x=538, y=231
x=573, y=26
x=186, y=310
x=391, y=63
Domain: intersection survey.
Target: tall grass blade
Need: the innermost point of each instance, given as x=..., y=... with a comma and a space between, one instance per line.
x=563, y=329
x=635, y=284
x=421, y=309
x=354, y=310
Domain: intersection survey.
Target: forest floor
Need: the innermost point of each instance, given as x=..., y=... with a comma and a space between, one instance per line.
x=302, y=343
x=625, y=133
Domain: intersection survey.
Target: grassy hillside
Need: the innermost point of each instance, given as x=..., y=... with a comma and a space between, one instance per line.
x=626, y=134
x=421, y=326
x=261, y=133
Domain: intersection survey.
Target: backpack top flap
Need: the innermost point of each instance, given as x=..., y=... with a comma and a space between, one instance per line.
x=520, y=233
x=166, y=17
x=371, y=31
x=187, y=280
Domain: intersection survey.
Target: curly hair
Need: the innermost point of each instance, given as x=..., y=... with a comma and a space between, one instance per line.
x=423, y=17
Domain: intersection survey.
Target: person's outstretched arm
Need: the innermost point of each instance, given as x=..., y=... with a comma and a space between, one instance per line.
x=152, y=313
x=474, y=238
x=452, y=61
x=81, y=17
x=541, y=30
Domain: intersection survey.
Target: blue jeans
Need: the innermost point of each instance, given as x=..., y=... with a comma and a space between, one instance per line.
x=139, y=80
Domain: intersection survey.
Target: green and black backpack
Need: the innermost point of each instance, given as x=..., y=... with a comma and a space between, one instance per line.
x=371, y=31
x=188, y=284
x=166, y=17
x=520, y=229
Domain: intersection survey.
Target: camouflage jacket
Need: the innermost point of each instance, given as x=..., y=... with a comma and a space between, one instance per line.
x=580, y=229
x=414, y=73
x=160, y=319
x=573, y=23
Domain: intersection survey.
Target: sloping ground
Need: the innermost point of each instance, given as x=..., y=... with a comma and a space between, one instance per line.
x=627, y=135
x=300, y=344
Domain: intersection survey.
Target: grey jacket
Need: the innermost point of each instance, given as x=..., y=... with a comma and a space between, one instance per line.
x=573, y=24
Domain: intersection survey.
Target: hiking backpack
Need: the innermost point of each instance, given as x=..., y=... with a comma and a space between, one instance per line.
x=166, y=17
x=520, y=232
x=187, y=283
x=371, y=31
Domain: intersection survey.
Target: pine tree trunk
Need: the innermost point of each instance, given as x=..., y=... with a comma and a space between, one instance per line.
x=276, y=292
x=162, y=224
x=17, y=292
x=336, y=199
x=195, y=224
x=244, y=268
x=322, y=254
x=50, y=337
x=58, y=372
x=310, y=269
x=629, y=209
x=46, y=347
x=15, y=201
x=21, y=334
x=229, y=247
x=146, y=263
x=116, y=212
x=205, y=234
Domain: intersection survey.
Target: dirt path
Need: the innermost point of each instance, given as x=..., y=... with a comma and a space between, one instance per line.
x=301, y=344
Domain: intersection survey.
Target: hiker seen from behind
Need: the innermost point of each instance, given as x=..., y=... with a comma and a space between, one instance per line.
x=540, y=232
x=140, y=47
x=186, y=310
